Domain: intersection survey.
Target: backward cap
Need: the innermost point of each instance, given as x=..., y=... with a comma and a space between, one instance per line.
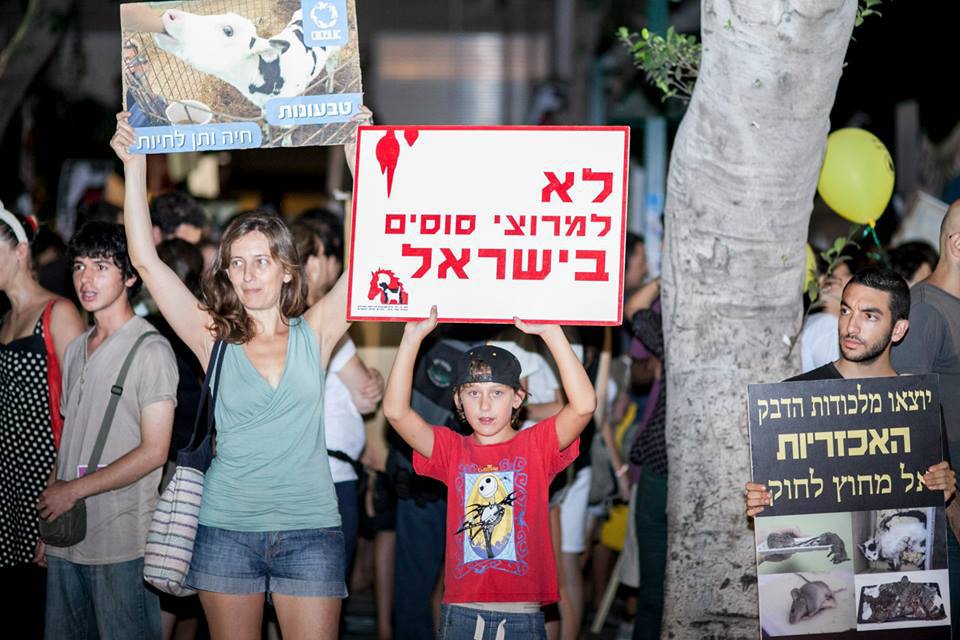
x=504, y=366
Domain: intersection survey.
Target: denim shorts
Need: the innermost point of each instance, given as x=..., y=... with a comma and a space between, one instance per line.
x=464, y=623
x=303, y=562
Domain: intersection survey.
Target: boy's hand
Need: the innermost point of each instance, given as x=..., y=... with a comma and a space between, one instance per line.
x=940, y=477
x=757, y=498
x=535, y=329
x=57, y=499
x=418, y=329
x=124, y=138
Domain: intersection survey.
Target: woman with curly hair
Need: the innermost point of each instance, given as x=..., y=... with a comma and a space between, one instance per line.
x=269, y=521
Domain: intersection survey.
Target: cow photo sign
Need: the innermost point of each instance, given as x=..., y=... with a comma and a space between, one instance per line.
x=489, y=223
x=203, y=75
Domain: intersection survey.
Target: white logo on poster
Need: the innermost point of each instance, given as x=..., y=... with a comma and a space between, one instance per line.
x=324, y=15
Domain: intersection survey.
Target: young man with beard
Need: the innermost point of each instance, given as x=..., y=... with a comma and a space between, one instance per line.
x=873, y=315
x=95, y=588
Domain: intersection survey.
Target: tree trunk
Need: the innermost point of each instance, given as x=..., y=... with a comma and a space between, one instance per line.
x=35, y=40
x=739, y=196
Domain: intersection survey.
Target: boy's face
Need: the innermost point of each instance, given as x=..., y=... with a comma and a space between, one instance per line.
x=488, y=408
x=99, y=282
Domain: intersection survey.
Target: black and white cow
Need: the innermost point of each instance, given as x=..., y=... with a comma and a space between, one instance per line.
x=227, y=46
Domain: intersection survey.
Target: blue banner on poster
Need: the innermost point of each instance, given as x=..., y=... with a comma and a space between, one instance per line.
x=315, y=109
x=197, y=137
x=325, y=23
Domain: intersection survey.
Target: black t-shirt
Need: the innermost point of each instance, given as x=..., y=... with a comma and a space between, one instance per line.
x=826, y=372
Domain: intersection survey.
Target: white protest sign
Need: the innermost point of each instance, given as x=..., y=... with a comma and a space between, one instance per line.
x=489, y=223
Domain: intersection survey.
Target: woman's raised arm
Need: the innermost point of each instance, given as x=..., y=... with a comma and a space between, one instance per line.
x=177, y=304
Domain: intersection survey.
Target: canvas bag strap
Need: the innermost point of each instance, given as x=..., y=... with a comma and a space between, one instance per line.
x=208, y=397
x=115, y=392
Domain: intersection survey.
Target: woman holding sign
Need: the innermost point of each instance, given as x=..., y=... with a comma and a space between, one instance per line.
x=269, y=521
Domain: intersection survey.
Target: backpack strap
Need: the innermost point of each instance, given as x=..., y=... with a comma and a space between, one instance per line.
x=115, y=392
x=340, y=455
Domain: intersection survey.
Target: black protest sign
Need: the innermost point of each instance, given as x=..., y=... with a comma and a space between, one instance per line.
x=845, y=445
x=854, y=544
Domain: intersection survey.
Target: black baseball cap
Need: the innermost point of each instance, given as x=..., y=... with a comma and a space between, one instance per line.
x=504, y=366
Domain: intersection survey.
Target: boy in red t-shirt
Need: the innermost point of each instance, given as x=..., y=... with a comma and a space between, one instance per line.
x=500, y=566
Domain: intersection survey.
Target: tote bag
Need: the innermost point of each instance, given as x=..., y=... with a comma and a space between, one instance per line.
x=173, y=528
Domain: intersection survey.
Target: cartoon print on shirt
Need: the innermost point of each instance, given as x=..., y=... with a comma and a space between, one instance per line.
x=493, y=503
x=488, y=515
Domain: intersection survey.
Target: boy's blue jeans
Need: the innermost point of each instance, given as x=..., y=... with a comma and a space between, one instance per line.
x=462, y=623
x=106, y=601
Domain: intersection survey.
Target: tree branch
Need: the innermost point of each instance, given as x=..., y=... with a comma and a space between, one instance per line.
x=40, y=32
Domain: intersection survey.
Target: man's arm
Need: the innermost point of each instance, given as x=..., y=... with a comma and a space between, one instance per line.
x=156, y=425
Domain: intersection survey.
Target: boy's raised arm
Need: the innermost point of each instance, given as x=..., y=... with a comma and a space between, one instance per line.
x=581, y=399
x=396, y=399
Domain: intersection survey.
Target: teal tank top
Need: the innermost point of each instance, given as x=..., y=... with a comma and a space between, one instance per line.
x=271, y=471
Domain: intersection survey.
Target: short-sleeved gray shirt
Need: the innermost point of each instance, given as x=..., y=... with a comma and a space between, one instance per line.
x=932, y=345
x=117, y=520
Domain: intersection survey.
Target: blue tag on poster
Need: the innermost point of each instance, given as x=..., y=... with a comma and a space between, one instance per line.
x=197, y=137
x=325, y=23
x=318, y=109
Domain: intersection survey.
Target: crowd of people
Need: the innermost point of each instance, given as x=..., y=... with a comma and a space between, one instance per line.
x=514, y=454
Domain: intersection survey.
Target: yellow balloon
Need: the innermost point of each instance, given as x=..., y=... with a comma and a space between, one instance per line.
x=811, y=273
x=856, y=179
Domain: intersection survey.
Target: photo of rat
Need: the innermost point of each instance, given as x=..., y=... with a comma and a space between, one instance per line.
x=811, y=598
x=783, y=540
x=901, y=600
x=900, y=537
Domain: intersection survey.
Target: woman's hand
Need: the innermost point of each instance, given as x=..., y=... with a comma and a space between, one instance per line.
x=124, y=138
x=644, y=298
x=362, y=118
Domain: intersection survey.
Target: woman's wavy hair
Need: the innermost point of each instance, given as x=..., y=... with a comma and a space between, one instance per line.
x=230, y=320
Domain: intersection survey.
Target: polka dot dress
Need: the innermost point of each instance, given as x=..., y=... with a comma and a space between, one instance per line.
x=27, y=451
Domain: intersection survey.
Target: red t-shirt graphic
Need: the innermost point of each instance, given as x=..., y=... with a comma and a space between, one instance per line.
x=498, y=522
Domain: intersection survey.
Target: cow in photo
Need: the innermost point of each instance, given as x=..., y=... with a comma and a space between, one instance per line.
x=227, y=46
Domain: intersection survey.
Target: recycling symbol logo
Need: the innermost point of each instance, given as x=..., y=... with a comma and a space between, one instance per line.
x=324, y=15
